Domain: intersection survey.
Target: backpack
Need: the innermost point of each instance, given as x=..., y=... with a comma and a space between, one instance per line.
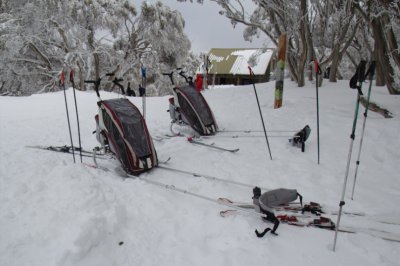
x=358, y=77
x=274, y=198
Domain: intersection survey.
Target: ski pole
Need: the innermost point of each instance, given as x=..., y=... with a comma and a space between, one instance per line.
x=360, y=78
x=71, y=79
x=317, y=72
x=371, y=72
x=250, y=131
x=259, y=108
x=62, y=83
x=209, y=177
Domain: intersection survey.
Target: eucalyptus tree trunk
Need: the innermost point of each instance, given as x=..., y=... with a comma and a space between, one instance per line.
x=95, y=54
x=303, y=46
x=386, y=50
x=383, y=55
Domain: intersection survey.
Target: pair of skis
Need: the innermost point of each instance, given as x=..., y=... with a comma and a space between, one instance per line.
x=295, y=208
x=292, y=214
x=313, y=208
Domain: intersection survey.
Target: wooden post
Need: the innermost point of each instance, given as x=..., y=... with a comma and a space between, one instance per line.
x=280, y=70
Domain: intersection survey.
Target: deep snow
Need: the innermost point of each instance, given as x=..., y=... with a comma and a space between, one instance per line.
x=55, y=212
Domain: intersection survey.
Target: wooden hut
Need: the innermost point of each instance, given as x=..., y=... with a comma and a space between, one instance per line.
x=230, y=66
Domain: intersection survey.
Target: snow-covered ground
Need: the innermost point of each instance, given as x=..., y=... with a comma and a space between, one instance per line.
x=55, y=212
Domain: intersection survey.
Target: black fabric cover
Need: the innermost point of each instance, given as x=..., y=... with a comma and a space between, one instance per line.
x=199, y=103
x=189, y=114
x=195, y=108
x=117, y=140
x=132, y=125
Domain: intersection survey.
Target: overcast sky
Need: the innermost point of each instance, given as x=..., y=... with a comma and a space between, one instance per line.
x=207, y=29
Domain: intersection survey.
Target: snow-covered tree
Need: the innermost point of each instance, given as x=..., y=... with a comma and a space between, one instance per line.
x=98, y=18
x=163, y=28
x=333, y=27
x=27, y=56
x=41, y=37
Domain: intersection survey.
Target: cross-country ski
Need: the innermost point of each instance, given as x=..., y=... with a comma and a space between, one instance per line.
x=211, y=146
x=66, y=149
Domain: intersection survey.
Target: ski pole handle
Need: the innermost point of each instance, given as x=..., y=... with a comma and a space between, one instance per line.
x=62, y=78
x=317, y=68
x=371, y=71
x=96, y=85
x=143, y=70
x=71, y=75
x=361, y=72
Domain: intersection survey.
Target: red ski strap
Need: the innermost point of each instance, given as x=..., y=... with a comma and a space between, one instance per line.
x=71, y=75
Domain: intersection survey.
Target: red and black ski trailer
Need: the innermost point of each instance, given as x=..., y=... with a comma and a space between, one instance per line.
x=121, y=129
x=189, y=107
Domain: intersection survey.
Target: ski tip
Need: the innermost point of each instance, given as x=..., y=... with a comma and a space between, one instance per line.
x=226, y=200
x=165, y=161
x=226, y=213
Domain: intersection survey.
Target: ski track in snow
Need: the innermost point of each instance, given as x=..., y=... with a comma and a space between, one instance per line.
x=55, y=212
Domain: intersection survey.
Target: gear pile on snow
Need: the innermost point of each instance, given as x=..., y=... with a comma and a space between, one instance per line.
x=266, y=202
